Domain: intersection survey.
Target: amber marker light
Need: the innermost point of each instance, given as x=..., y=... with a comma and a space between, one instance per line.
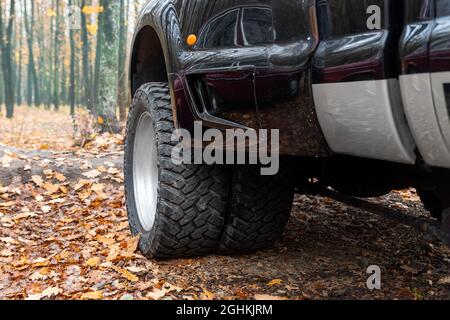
x=191, y=40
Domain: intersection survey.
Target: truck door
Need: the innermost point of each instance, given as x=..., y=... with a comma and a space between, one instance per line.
x=425, y=61
x=355, y=86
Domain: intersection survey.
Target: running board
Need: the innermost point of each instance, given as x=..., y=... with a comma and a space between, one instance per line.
x=437, y=230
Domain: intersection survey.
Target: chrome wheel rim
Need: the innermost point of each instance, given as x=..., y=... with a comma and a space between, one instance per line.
x=145, y=172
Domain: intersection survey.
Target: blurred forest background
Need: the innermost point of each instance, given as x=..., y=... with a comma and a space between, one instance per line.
x=53, y=58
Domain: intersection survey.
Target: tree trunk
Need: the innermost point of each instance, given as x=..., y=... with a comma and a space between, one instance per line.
x=106, y=103
x=2, y=89
x=33, y=81
x=63, y=87
x=98, y=57
x=87, y=80
x=19, y=70
x=121, y=74
x=72, y=70
x=7, y=60
x=57, y=57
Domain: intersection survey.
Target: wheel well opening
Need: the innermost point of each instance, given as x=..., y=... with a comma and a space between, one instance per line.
x=148, y=63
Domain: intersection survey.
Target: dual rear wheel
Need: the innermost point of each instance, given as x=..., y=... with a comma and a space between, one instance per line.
x=194, y=210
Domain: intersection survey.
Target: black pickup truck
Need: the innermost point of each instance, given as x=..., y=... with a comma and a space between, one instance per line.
x=358, y=89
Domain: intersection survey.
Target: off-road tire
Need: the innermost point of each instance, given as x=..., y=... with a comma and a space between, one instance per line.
x=192, y=199
x=259, y=209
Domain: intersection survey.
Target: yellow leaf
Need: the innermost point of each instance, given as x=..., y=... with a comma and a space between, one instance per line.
x=8, y=240
x=8, y=204
x=127, y=274
x=275, y=282
x=83, y=195
x=60, y=177
x=37, y=180
x=46, y=209
x=113, y=170
x=157, y=294
x=6, y=253
x=51, y=188
x=63, y=255
x=123, y=226
x=50, y=292
x=97, y=295
x=40, y=262
x=209, y=295
x=100, y=120
x=168, y=288
x=44, y=147
x=93, y=262
x=51, y=13
x=132, y=245
x=92, y=9
x=98, y=189
x=23, y=262
x=92, y=29
x=81, y=184
x=114, y=253
x=42, y=274
x=105, y=240
x=92, y=174
x=64, y=189
x=102, y=169
x=24, y=215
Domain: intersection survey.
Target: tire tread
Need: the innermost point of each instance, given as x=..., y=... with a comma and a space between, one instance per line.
x=192, y=198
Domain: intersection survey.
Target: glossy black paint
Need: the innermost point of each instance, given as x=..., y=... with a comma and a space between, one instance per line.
x=256, y=60
x=440, y=44
x=249, y=69
x=425, y=44
x=348, y=50
x=419, y=25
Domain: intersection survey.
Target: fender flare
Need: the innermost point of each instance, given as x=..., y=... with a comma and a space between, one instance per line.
x=161, y=16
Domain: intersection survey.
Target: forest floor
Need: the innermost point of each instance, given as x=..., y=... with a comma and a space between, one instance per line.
x=64, y=235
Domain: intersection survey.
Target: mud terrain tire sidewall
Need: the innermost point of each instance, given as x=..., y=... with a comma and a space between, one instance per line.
x=192, y=199
x=259, y=210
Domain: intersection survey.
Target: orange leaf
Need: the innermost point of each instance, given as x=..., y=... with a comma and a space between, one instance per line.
x=127, y=274
x=275, y=282
x=37, y=180
x=93, y=262
x=97, y=295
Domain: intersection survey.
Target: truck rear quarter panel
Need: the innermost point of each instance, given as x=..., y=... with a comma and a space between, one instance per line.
x=269, y=76
x=425, y=54
x=356, y=91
